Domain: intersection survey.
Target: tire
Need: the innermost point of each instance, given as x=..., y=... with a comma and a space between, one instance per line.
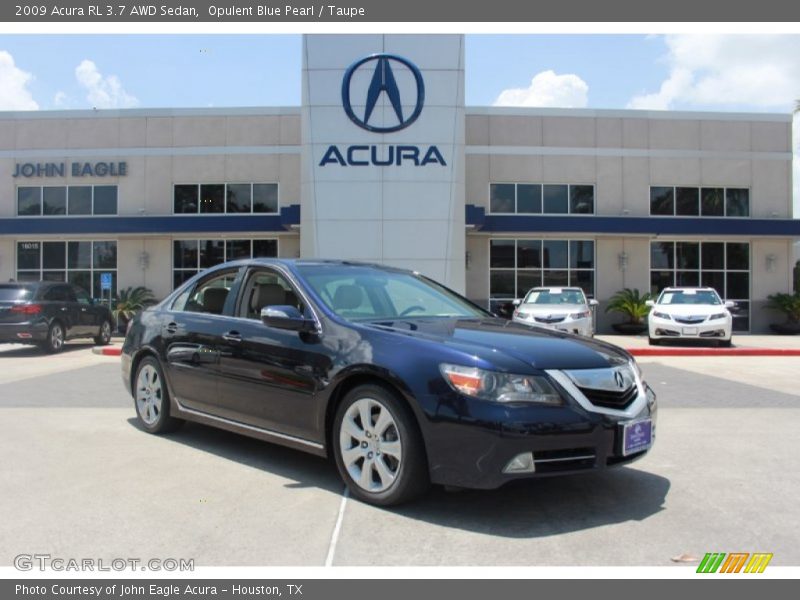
x=103, y=337
x=151, y=398
x=726, y=343
x=393, y=477
x=54, y=343
x=653, y=341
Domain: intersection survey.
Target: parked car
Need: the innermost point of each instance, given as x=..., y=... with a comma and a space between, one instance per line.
x=561, y=308
x=690, y=313
x=402, y=381
x=48, y=313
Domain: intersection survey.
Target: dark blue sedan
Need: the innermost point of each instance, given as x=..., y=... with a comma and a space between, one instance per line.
x=402, y=381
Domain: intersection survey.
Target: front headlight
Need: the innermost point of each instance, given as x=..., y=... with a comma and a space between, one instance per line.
x=716, y=316
x=499, y=387
x=522, y=315
x=580, y=315
x=662, y=315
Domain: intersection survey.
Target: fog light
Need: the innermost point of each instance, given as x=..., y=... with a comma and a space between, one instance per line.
x=521, y=463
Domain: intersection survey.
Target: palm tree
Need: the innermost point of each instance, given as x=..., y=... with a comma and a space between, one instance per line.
x=630, y=303
x=129, y=301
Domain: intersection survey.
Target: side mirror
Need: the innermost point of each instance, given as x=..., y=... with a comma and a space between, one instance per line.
x=593, y=302
x=286, y=317
x=730, y=304
x=650, y=302
x=517, y=302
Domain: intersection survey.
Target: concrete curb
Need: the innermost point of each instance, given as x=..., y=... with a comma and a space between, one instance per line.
x=107, y=350
x=714, y=351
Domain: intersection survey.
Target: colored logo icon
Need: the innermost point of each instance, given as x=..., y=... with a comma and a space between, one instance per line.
x=735, y=562
x=383, y=84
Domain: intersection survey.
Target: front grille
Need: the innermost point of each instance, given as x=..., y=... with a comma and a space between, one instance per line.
x=689, y=320
x=550, y=319
x=607, y=399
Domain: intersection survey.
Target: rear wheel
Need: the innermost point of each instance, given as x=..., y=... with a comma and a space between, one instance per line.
x=151, y=398
x=378, y=448
x=653, y=341
x=103, y=337
x=55, y=338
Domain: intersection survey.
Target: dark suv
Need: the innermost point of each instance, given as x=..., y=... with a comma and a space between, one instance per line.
x=400, y=380
x=48, y=313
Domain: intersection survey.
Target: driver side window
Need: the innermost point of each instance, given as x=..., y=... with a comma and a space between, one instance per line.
x=208, y=296
x=264, y=288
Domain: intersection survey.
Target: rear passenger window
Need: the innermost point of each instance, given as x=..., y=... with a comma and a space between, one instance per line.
x=59, y=293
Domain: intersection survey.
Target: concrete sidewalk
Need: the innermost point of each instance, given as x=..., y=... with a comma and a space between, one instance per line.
x=782, y=342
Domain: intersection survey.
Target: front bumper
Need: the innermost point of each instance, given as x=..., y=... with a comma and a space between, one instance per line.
x=574, y=326
x=470, y=443
x=23, y=333
x=719, y=329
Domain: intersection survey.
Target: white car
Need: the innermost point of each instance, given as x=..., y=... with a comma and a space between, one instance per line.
x=561, y=308
x=690, y=313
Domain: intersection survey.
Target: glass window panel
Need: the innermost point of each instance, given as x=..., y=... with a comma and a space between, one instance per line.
x=105, y=199
x=105, y=255
x=737, y=202
x=212, y=198
x=184, y=254
x=238, y=197
x=712, y=200
x=661, y=279
x=265, y=197
x=555, y=199
x=212, y=252
x=54, y=276
x=556, y=278
x=687, y=201
x=738, y=256
x=236, y=249
x=54, y=255
x=501, y=254
x=80, y=199
x=741, y=316
x=581, y=199
x=501, y=198
x=714, y=279
x=29, y=201
x=713, y=255
x=529, y=254
x=96, y=290
x=554, y=254
x=181, y=276
x=186, y=199
x=526, y=280
x=737, y=286
x=54, y=200
x=28, y=255
x=581, y=254
x=687, y=278
x=662, y=255
x=501, y=284
x=79, y=255
x=529, y=198
x=687, y=255
x=28, y=276
x=662, y=201
x=265, y=248
x=83, y=279
x=583, y=280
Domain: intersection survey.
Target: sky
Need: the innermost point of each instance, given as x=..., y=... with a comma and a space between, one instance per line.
x=720, y=72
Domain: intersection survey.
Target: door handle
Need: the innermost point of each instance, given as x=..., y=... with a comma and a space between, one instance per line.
x=232, y=336
x=64, y=308
x=171, y=327
x=83, y=309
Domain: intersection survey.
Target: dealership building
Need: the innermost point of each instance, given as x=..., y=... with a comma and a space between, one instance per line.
x=383, y=162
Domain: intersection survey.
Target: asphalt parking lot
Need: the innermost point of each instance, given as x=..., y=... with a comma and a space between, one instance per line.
x=81, y=480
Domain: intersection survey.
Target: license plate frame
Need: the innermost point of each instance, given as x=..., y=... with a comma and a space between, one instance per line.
x=690, y=331
x=637, y=436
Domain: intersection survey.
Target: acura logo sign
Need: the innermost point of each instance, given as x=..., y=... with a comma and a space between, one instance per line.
x=383, y=84
x=619, y=378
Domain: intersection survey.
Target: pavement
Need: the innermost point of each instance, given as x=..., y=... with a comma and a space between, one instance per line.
x=82, y=480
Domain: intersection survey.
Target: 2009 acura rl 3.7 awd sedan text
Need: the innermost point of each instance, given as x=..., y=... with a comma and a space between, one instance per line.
x=400, y=380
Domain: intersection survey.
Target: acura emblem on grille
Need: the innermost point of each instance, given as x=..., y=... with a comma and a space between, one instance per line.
x=619, y=379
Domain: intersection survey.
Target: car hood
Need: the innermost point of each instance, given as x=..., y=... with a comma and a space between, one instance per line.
x=487, y=338
x=686, y=310
x=551, y=309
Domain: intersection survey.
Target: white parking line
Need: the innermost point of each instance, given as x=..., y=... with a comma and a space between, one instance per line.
x=337, y=528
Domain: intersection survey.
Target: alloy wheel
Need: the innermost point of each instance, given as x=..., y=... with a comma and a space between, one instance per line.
x=149, y=394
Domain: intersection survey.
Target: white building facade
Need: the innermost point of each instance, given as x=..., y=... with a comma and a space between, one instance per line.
x=383, y=162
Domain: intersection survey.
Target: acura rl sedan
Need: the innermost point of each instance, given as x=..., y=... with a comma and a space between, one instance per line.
x=399, y=380
x=563, y=309
x=690, y=313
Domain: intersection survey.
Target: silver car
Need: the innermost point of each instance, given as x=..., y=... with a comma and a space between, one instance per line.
x=561, y=308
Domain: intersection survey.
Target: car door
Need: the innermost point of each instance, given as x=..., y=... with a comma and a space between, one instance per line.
x=269, y=377
x=90, y=314
x=191, y=331
x=60, y=306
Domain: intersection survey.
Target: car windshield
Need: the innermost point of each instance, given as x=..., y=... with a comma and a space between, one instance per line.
x=14, y=293
x=555, y=296
x=362, y=293
x=689, y=297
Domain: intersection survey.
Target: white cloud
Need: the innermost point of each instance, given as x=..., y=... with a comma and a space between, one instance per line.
x=14, y=92
x=719, y=70
x=548, y=89
x=103, y=92
x=60, y=99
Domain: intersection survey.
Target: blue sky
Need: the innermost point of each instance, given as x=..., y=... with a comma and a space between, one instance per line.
x=710, y=72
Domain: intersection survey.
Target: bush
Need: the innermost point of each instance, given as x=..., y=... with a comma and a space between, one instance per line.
x=631, y=304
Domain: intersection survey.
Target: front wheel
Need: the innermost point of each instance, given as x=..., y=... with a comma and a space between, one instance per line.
x=103, y=337
x=151, y=398
x=653, y=341
x=378, y=447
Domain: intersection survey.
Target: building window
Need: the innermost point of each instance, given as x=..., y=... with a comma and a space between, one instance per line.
x=699, y=202
x=74, y=200
x=222, y=198
x=517, y=265
x=724, y=266
x=537, y=199
x=189, y=257
x=78, y=262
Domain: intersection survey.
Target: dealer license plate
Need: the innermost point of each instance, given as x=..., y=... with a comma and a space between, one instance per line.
x=690, y=331
x=637, y=436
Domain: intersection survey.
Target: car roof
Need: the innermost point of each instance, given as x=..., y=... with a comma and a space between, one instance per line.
x=688, y=287
x=299, y=262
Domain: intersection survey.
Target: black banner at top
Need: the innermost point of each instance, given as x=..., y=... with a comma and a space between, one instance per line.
x=372, y=11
